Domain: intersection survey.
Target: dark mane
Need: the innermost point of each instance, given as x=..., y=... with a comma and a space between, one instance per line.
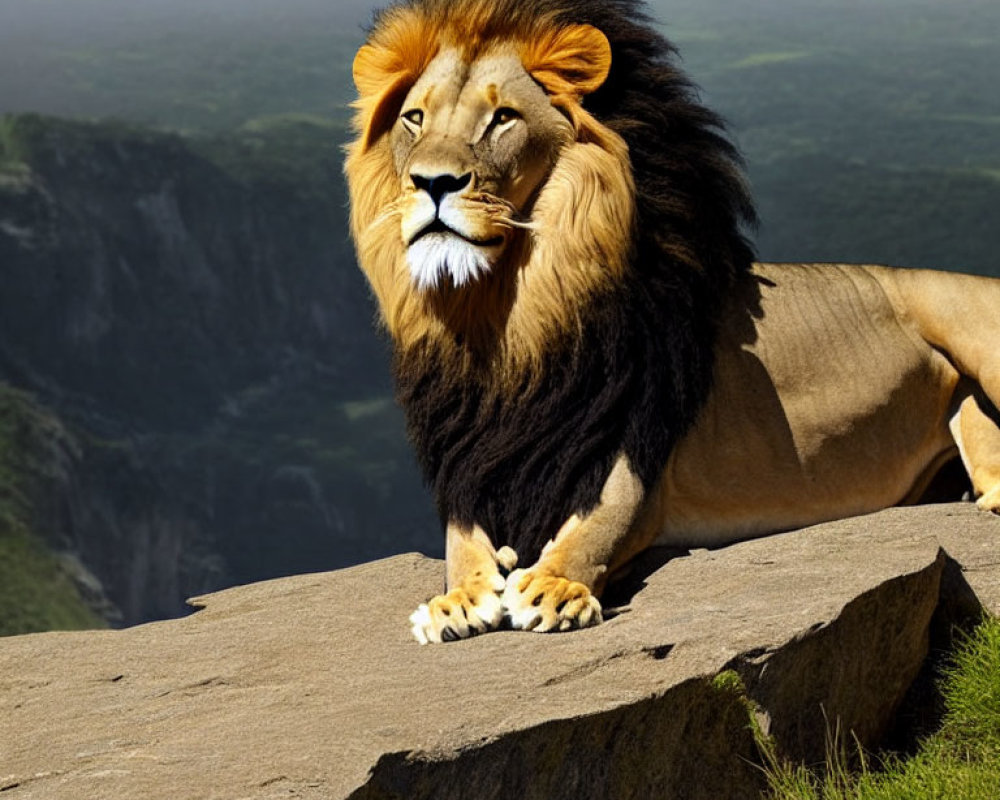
x=520, y=463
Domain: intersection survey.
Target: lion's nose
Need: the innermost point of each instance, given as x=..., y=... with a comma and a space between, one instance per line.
x=437, y=186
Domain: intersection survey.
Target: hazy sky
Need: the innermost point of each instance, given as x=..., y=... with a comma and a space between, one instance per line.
x=94, y=21
x=62, y=19
x=111, y=19
x=102, y=56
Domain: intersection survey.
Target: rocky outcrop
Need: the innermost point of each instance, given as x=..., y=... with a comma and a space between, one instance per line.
x=311, y=686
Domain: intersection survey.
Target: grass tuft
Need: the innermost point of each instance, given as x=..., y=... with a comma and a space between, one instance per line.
x=961, y=761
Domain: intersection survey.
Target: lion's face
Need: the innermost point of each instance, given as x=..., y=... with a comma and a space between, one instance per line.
x=487, y=203
x=471, y=146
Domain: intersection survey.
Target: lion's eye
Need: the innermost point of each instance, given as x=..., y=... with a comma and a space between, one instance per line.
x=415, y=117
x=504, y=115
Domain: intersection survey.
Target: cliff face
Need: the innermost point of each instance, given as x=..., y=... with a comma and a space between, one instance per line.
x=158, y=282
x=190, y=309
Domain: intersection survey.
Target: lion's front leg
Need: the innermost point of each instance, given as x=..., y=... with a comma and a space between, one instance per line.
x=467, y=610
x=471, y=604
x=560, y=592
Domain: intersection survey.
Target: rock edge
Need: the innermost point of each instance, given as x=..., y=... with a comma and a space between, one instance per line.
x=310, y=686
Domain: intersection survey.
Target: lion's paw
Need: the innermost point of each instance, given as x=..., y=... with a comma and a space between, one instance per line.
x=534, y=601
x=471, y=609
x=990, y=501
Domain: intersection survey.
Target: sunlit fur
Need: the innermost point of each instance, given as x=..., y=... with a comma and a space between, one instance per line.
x=583, y=216
x=590, y=335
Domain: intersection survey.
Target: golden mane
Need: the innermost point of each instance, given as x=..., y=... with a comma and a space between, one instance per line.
x=593, y=333
x=581, y=224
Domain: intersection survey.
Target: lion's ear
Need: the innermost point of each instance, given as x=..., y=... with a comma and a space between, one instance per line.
x=573, y=60
x=382, y=82
x=383, y=75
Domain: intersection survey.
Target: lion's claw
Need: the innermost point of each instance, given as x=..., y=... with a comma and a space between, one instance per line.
x=471, y=609
x=535, y=601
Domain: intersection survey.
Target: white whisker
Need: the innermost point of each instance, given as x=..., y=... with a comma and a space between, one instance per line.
x=434, y=256
x=393, y=210
x=515, y=223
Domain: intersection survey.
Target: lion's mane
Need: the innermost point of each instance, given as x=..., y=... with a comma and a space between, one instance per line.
x=518, y=446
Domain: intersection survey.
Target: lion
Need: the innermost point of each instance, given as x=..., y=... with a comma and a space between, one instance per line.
x=588, y=357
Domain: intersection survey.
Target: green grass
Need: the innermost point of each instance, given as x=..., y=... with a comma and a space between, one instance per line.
x=961, y=761
x=36, y=593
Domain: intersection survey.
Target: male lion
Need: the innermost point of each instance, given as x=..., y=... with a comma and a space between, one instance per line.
x=588, y=359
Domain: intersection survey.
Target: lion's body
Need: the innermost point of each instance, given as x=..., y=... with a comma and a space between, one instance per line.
x=587, y=357
x=828, y=400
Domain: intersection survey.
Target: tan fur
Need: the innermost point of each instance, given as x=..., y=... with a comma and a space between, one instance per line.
x=839, y=390
x=471, y=601
x=978, y=439
x=834, y=399
x=590, y=548
x=583, y=214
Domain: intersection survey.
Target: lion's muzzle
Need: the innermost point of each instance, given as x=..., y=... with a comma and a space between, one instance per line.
x=443, y=240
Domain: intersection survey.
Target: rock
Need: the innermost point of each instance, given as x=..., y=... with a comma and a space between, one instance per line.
x=311, y=687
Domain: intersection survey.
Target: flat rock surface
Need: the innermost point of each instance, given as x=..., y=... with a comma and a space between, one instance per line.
x=312, y=687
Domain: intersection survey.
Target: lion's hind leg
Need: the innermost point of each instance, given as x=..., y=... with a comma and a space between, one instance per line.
x=976, y=428
x=957, y=316
x=560, y=592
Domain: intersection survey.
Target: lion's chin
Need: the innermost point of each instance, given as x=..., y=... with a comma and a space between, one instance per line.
x=437, y=256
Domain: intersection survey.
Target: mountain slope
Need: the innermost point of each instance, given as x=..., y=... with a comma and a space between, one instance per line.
x=190, y=310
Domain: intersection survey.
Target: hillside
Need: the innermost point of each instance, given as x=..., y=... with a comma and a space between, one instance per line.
x=188, y=310
x=38, y=590
x=870, y=129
